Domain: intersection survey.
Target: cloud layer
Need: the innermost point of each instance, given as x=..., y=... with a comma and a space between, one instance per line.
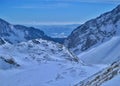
x=60, y=3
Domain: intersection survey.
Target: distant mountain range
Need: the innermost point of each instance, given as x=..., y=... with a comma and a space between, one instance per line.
x=58, y=31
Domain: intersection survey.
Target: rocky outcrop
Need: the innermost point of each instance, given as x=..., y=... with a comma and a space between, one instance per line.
x=8, y=62
x=102, y=76
x=2, y=41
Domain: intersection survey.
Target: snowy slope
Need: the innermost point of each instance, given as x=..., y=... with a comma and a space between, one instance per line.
x=108, y=75
x=41, y=63
x=47, y=74
x=105, y=53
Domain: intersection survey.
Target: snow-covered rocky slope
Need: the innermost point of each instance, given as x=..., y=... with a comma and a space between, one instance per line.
x=105, y=77
x=95, y=31
x=36, y=50
x=41, y=63
x=106, y=53
x=113, y=82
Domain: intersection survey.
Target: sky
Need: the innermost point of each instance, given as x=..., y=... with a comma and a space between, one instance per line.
x=53, y=11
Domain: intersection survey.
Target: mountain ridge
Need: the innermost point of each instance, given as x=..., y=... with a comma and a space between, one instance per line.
x=19, y=33
x=94, y=31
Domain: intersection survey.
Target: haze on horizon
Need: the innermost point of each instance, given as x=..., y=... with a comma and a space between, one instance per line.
x=53, y=11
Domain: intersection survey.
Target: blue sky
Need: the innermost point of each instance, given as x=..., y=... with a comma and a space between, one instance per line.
x=53, y=11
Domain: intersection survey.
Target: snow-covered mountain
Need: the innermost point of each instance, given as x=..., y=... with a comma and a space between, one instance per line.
x=98, y=42
x=19, y=33
x=95, y=31
x=37, y=62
